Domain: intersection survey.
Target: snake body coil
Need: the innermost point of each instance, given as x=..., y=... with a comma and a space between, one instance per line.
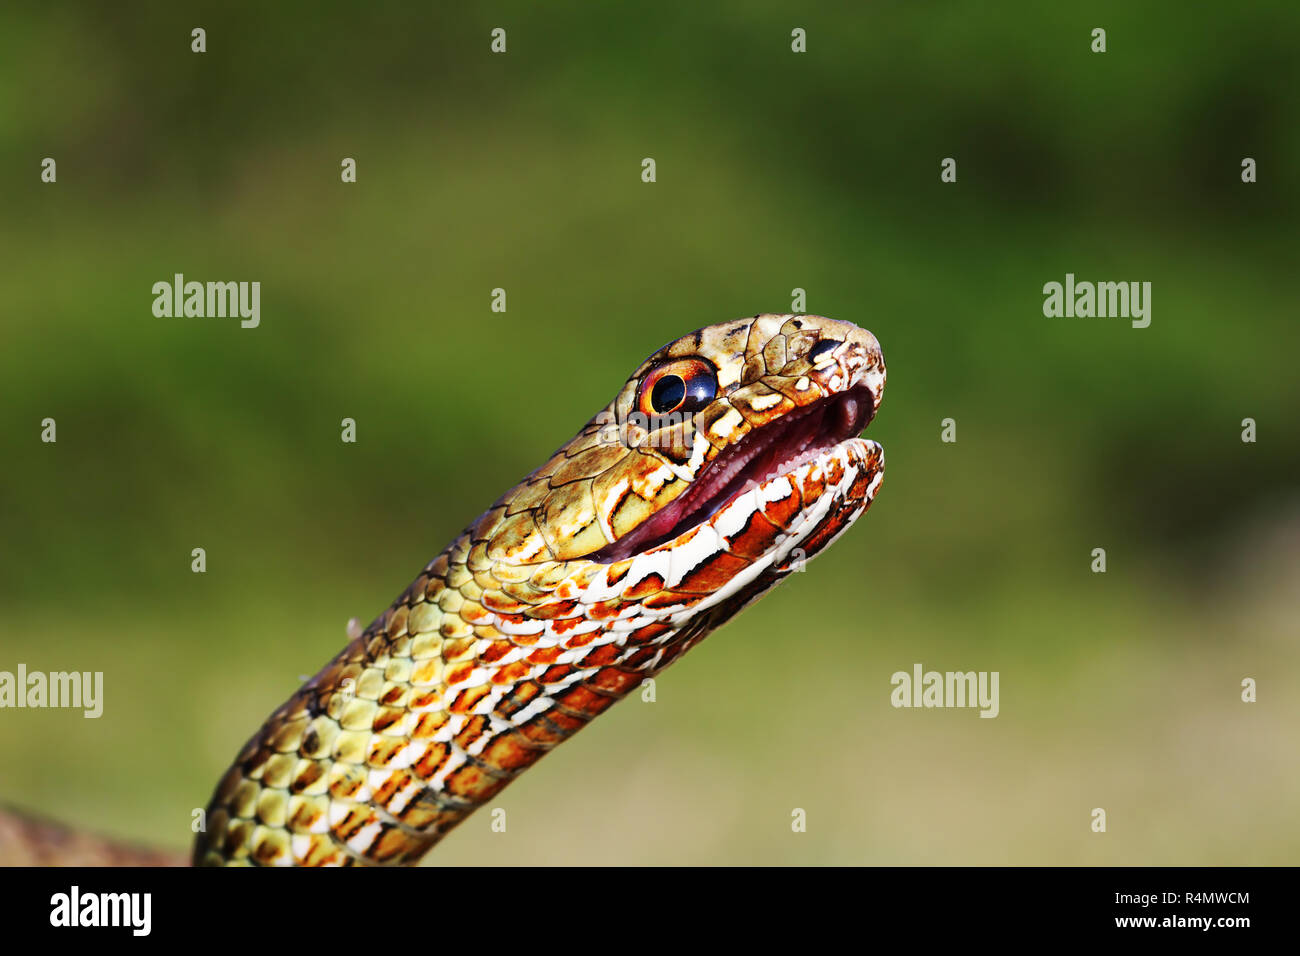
x=727, y=459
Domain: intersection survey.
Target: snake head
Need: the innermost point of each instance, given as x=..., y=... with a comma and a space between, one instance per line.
x=736, y=441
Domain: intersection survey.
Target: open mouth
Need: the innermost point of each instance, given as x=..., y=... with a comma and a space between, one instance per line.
x=762, y=454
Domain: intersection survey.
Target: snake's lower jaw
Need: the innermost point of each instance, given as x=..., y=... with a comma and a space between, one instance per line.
x=834, y=489
x=843, y=502
x=770, y=531
x=772, y=528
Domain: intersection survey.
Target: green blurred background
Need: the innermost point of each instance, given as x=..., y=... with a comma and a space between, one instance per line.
x=775, y=171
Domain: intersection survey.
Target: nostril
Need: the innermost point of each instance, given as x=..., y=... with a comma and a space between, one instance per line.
x=822, y=348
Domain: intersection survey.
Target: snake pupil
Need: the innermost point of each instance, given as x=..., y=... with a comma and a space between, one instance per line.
x=667, y=393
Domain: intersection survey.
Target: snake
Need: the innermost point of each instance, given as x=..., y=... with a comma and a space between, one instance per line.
x=727, y=460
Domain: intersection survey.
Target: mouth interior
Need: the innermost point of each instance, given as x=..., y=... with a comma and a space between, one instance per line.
x=762, y=454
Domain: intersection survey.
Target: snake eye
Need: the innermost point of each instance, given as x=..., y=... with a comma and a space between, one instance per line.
x=822, y=348
x=682, y=385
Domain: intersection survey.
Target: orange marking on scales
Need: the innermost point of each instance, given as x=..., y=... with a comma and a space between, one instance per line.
x=556, y=674
x=468, y=698
x=432, y=761
x=425, y=700
x=649, y=632
x=561, y=609
x=641, y=658
x=510, y=673
x=501, y=603
x=814, y=484
x=652, y=583
x=394, y=844
x=472, y=731
x=712, y=573
x=544, y=733
x=459, y=673
x=428, y=724
x=583, y=700
x=383, y=750
x=508, y=755
x=562, y=627
x=473, y=613
x=783, y=510
x=615, y=680
x=670, y=599
x=581, y=640
x=495, y=651
x=602, y=655
x=305, y=815
x=604, y=610
x=387, y=718
x=544, y=655
x=474, y=784
x=391, y=786
x=756, y=537
x=519, y=697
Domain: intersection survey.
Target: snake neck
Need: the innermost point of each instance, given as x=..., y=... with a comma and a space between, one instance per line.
x=473, y=674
